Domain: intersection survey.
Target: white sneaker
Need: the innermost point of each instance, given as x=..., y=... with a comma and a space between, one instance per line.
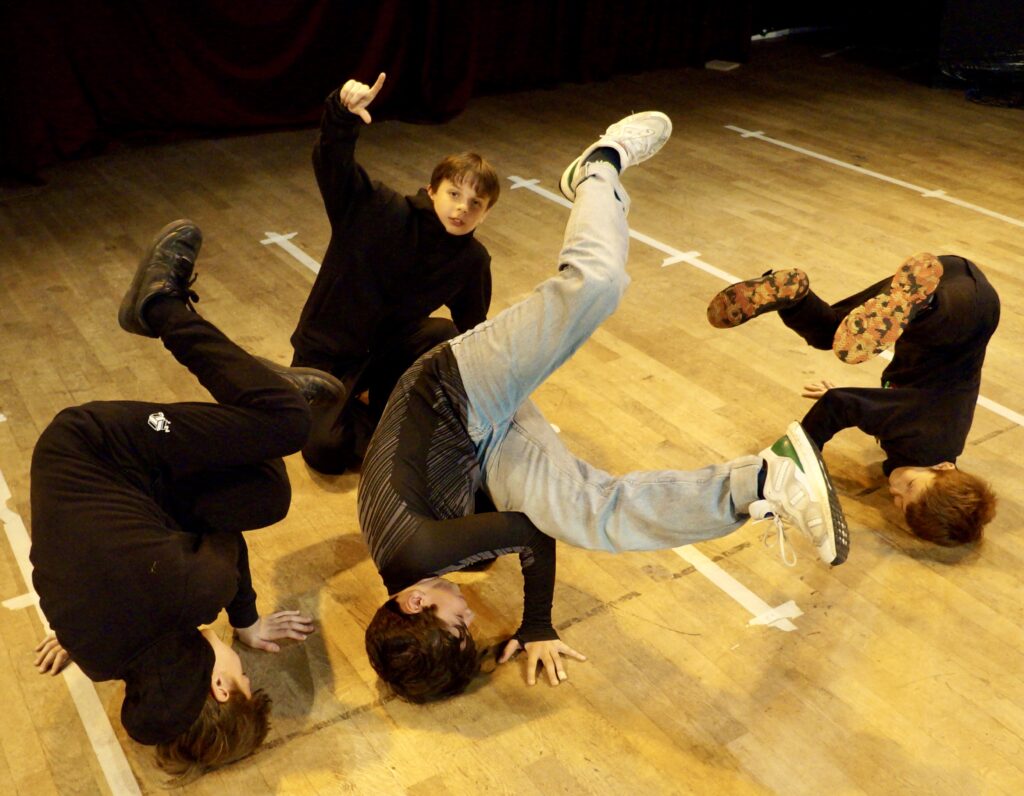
x=636, y=138
x=798, y=490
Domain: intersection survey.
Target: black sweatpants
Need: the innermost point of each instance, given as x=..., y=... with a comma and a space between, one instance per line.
x=210, y=466
x=341, y=431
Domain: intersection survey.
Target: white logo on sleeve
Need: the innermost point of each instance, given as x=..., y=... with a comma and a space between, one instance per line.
x=158, y=422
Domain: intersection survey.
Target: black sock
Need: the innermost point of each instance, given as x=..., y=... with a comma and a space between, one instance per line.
x=604, y=154
x=159, y=310
x=762, y=476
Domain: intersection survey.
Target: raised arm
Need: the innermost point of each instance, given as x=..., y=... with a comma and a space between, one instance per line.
x=340, y=178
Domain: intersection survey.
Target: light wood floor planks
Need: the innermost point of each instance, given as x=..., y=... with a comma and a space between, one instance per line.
x=904, y=673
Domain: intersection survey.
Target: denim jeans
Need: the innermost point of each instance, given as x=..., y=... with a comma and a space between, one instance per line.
x=526, y=467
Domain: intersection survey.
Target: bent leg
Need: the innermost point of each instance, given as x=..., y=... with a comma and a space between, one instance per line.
x=533, y=472
x=237, y=499
x=816, y=321
x=259, y=416
x=394, y=355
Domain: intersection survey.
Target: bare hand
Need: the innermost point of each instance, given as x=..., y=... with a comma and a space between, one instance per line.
x=260, y=635
x=355, y=96
x=546, y=653
x=816, y=389
x=52, y=657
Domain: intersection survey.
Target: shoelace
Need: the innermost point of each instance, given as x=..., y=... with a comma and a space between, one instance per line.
x=780, y=534
x=190, y=295
x=642, y=140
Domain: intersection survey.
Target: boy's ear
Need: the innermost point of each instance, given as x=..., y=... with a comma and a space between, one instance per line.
x=219, y=687
x=944, y=466
x=413, y=602
x=430, y=191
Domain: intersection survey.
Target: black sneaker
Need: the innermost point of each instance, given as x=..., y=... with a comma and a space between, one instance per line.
x=165, y=270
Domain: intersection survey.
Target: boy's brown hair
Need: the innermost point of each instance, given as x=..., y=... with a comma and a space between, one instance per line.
x=418, y=656
x=470, y=168
x=953, y=510
x=222, y=733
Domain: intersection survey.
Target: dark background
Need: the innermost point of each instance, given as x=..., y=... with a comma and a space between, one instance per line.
x=76, y=76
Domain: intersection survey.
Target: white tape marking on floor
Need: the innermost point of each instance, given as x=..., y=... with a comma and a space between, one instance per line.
x=690, y=258
x=674, y=255
x=285, y=242
x=21, y=601
x=763, y=613
x=925, y=192
x=3, y=417
x=109, y=753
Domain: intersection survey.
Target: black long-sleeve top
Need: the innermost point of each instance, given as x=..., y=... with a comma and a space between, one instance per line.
x=417, y=496
x=923, y=413
x=389, y=263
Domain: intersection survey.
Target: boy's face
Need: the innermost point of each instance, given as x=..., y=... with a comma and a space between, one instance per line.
x=907, y=484
x=449, y=604
x=459, y=208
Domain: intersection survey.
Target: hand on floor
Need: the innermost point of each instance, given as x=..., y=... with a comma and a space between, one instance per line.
x=52, y=657
x=262, y=633
x=547, y=654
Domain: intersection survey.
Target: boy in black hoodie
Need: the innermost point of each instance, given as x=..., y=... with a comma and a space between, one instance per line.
x=137, y=514
x=391, y=262
x=939, y=313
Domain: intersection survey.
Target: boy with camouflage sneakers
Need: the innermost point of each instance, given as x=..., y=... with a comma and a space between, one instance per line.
x=939, y=313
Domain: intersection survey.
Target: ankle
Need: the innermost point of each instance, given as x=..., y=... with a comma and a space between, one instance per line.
x=605, y=154
x=160, y=311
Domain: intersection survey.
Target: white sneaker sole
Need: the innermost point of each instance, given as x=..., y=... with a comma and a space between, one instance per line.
x=836, y=546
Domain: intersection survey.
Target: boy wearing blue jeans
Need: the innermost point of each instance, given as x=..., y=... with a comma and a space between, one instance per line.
x=460, y=423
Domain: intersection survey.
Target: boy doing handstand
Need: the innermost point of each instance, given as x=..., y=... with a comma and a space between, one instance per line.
x=138, y=514
x=460, y=422
x=939, y=312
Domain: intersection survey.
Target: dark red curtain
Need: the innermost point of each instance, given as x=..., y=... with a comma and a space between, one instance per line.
x=75, y=75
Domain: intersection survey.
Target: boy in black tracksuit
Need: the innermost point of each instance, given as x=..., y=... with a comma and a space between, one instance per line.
x=391, y=262
x=922, y=413
x=138, y=509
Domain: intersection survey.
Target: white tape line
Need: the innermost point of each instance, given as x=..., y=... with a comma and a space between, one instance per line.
x=533, y=185
x=109, y=753
x=925, y=192
x=21, y=601
x=691, y=258
x=3, y=417
x=285, y=242
x=763, y=613
x=788, y=610
x=674, y=255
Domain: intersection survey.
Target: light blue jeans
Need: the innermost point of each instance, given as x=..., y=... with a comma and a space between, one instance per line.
x=526, y=467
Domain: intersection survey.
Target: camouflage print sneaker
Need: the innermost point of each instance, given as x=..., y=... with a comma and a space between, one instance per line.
x=878, y=323
x=774, y=291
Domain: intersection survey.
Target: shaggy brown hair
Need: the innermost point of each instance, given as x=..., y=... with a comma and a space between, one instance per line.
x=469, y=168
x=953, y=510
x=418, y=656
x=223, y=733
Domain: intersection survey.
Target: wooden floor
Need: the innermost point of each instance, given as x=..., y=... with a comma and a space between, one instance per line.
x=905, y=670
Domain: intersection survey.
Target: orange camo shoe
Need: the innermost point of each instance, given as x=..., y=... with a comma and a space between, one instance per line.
x=742, y=301
x=878, y=323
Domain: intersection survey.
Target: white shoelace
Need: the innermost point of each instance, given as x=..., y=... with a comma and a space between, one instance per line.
x=780, y=535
